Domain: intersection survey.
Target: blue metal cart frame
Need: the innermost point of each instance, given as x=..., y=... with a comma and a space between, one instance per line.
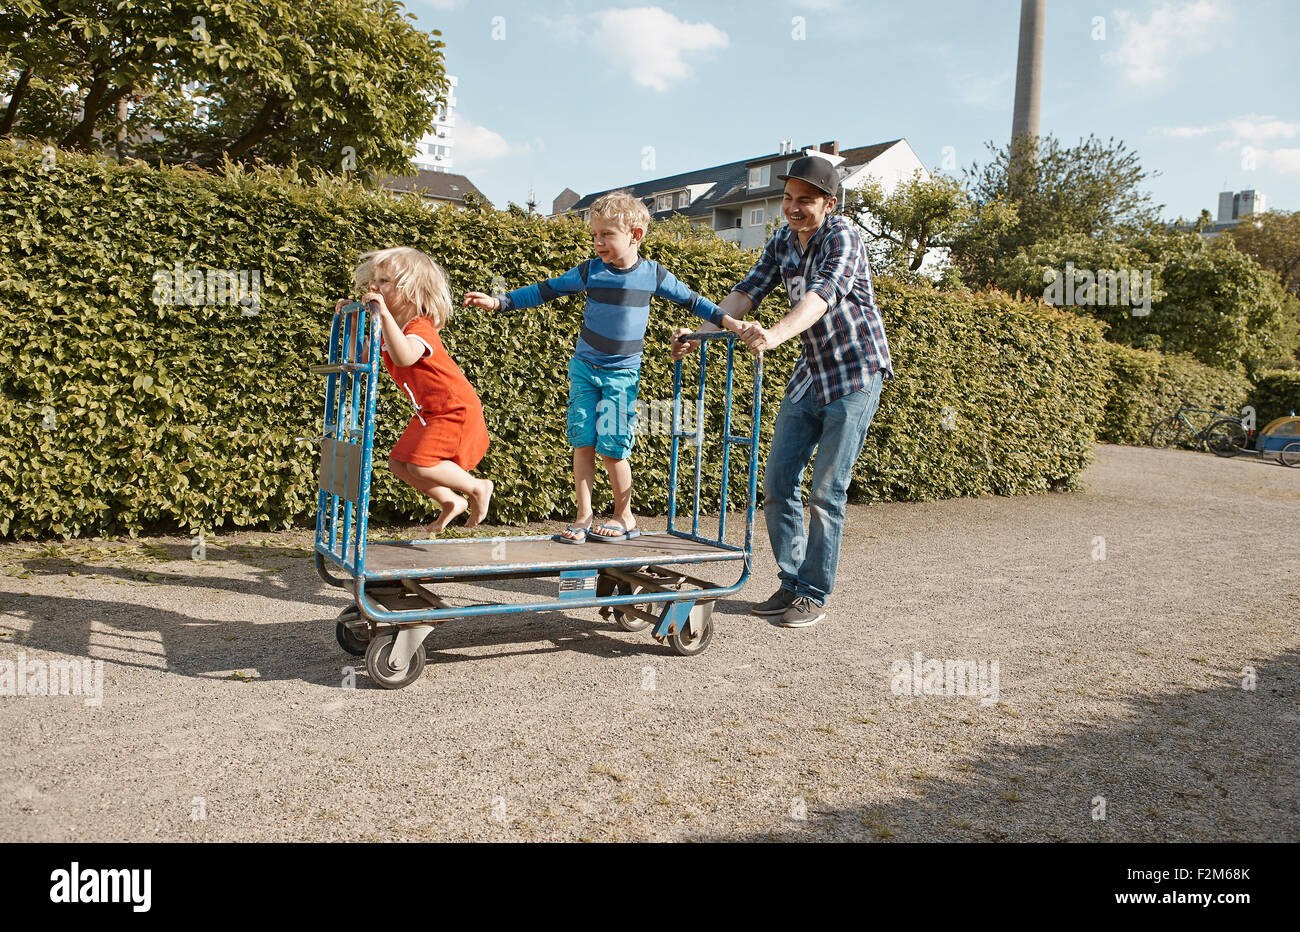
x=639, y=582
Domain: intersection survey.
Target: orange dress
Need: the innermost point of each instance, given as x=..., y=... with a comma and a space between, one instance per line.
x=448, y=422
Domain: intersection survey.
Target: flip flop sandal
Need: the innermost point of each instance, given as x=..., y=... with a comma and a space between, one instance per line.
x=569, y=540
x=624, y=534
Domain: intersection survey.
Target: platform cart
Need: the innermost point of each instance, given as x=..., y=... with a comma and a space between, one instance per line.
x=642, y=583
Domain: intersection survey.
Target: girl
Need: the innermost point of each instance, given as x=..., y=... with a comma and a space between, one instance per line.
x=447, y=437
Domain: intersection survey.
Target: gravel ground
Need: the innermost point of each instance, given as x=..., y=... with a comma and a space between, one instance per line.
x=1119, y=684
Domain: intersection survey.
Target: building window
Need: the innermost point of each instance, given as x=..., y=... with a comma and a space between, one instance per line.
x=755, y=216
x=664, y=202
x=683, y=198
x=760, y=177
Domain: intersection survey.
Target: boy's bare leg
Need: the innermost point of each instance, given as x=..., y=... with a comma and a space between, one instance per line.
x=450, y=475
x=584, y=477
x=620, y=483
x=450, y=504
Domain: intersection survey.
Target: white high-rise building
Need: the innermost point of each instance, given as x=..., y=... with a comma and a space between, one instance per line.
x=1236, y=205
x=433, y=152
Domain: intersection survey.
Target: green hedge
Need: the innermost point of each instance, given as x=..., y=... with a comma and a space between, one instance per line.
x=1276, y=394
x=120, y=415
x=992, y=396
x=1146, y=385
x=1209, y=301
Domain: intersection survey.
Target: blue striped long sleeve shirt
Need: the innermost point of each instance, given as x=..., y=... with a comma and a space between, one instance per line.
x=618, y=306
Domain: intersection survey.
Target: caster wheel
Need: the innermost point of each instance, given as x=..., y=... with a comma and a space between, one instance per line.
x=351, y=641
x=606, y=586
x=686, y=644
x=382, y=672
x=622, y=619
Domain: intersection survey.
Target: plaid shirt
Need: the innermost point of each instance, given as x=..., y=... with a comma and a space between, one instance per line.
x=847, y=344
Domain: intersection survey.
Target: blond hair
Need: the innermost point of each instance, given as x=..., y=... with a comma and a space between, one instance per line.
x=624, y=210
x=417, y=277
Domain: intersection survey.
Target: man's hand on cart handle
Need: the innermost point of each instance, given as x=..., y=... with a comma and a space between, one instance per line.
x=757, y=337
x=479, y=299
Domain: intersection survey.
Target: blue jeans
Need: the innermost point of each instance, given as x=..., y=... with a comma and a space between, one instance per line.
x=836, y=431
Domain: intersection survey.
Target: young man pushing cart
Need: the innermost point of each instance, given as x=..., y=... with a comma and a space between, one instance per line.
x=835, y=389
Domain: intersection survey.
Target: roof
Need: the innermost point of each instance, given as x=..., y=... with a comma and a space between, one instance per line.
x=729, y=174
x=440, y=186
x=730, y=181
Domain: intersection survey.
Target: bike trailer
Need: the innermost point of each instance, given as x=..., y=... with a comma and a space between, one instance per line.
x=1277, y=434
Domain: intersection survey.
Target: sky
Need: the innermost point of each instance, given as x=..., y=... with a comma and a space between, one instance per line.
x=595, y=95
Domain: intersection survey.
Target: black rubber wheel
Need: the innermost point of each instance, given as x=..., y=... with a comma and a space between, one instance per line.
x=623, y=620
x=1168, y=434
x=382, y=673
x=348, y=639
x=687, y=646
x=607, y=586
x=1290, y=455
x=1225, y=438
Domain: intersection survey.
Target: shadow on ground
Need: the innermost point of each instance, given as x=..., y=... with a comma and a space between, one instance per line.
x=1213, y=764
x=150, y=637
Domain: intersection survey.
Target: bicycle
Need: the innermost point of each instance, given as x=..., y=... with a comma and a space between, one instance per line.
x=1222, y=436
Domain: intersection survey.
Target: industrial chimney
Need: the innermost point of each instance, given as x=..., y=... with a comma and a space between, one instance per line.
x=1029, y=79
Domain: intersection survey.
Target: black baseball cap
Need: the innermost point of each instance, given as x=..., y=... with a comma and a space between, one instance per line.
x=817, y=171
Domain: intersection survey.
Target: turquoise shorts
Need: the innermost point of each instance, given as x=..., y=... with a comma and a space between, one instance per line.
x=602, y=408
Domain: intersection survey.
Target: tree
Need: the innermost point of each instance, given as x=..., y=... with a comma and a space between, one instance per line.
x=1176, y=293
x=918, y=215
x=336, y=84
x=1273, y=240
x=1093, y=189
x=70, y=62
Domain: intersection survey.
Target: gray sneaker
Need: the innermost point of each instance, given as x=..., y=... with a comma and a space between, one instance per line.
x=802, y=613
x=776, y=605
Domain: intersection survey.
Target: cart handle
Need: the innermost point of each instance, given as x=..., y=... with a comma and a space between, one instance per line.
x=707, y=335
x=339, y=367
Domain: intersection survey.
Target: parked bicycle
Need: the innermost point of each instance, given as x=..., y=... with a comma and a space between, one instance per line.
x=1223, y=435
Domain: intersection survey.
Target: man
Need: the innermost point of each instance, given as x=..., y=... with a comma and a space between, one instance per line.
x=835, y=389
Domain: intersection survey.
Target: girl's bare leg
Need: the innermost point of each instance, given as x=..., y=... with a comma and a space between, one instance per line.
x=451, y=476
x=584, y=476
x=451, y=504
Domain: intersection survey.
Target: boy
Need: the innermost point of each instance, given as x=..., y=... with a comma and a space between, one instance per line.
x=606, y=367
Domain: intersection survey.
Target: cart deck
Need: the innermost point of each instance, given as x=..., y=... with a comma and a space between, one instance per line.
x=639, y=582
x=497, y=556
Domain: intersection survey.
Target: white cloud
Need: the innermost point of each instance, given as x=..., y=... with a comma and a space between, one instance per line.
x=1253, y=132
x=1149, y=49
x=1263, y=128
x=652, y=44
x=567, y=27
x=648, y=43
x=1251, y=128
x=1285, y=161
x=476, y=144
x=444, y=6
x=1186, y=132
